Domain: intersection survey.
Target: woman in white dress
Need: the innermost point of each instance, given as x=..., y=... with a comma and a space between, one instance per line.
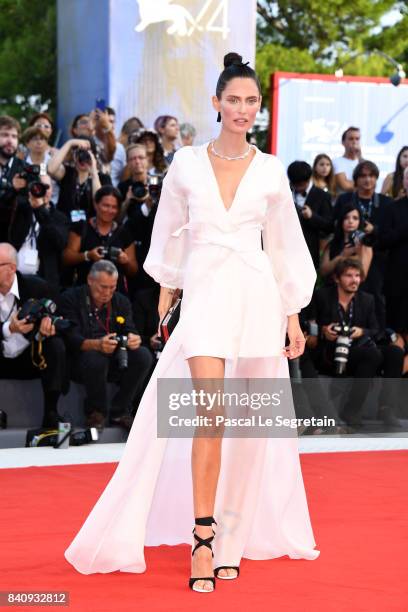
x=239, y=300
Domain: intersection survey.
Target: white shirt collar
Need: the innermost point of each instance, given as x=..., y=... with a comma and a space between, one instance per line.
x=14, y=288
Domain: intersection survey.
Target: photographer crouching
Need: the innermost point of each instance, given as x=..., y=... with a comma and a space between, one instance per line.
x=28, y=333
x=104, y=346
x=346, y=318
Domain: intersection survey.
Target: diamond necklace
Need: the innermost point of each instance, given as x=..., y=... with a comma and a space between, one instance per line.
x=230, y=158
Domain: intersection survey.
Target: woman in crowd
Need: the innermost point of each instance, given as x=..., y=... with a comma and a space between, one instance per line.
x=323, y=174
x=36, y=141
x=101, y=237
x=156, y=163
x=346, y=243
x=131, y=129
x=393, y=182
x=168, y=128
x=78, y=182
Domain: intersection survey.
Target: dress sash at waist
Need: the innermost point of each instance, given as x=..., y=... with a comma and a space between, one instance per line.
x=242, y=240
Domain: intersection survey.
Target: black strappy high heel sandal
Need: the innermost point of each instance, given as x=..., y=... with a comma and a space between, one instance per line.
x=205, y=521
x=234, y=567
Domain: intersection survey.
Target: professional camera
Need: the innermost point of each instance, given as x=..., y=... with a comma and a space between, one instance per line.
x=122, y=347
x=342, y=349
x=359, y=237
x=82, y=156
x=111, y=253
x=30, y=172
x=38, y=189
x=35, y=310
x=139, y=190
x=155, y=187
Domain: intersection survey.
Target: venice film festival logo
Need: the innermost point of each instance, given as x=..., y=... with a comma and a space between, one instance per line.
x=212, y=17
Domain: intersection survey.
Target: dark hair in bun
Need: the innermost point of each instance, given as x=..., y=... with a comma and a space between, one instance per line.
x=233, y=68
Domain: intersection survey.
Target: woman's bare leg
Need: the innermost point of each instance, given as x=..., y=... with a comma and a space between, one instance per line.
x=205, y=463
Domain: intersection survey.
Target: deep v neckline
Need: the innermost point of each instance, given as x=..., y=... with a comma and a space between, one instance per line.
x=215, y=181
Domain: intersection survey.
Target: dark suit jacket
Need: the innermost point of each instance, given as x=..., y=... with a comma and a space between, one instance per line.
x=9, y=199
x=52, y=239
x=324, y=310
x=31, y=286
x=320, y=223
x=145, y=313
x=394, y=237
x=73, y=306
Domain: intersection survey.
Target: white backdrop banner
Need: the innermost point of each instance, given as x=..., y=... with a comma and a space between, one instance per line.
x=165, y=56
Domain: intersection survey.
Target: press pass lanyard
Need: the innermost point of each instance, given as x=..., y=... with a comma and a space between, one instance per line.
x=350, y=313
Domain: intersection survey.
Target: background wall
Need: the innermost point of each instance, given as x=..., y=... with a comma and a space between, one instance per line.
x=310, y=113
x=149, y=57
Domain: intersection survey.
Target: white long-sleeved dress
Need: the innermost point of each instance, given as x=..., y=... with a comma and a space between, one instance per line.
x=236, y=299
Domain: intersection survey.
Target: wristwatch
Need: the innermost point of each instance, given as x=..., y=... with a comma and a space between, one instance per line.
x=86, y=256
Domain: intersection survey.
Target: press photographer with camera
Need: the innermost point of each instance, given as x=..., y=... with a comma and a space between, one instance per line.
x=349, y=240
x=102, y=237
x=12, y=186
x=348, y=326
x=142, y=193
x=39, y=232
x=102, y=341
x=313, y=206
x=28, y=333
x=78, y=182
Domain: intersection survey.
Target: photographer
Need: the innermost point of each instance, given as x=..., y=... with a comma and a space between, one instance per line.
x=12, y=186
x=101, y=237
x=20, y=341
x=347, y=322
x=142, y=193
x=313, y=206
x=349, y=240
x=78, y=183
x=103, y=327
x=39, y=233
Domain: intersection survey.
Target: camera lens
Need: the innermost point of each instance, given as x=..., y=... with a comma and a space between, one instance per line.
x=38, y=189
x=139, y=190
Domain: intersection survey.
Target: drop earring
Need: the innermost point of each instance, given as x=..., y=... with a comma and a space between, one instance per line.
x=219, y=117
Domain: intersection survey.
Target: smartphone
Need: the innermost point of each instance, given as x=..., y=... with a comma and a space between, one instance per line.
x=100, y=104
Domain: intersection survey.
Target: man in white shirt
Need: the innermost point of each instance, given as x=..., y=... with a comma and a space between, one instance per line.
x=344, y=166
x=16, y=335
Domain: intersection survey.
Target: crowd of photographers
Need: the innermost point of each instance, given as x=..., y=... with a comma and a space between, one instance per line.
x=76, y=304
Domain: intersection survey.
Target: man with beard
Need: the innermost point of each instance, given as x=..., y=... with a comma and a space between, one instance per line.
x=344, y=306
x=11, y=185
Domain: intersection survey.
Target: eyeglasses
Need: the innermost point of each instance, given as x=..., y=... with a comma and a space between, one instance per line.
x=6, y=263
x=44, y=126
x=83, y=122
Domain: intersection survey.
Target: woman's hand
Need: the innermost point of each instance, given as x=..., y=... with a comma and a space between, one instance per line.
x=123, y=257
x=297, y=338
x=166, y=299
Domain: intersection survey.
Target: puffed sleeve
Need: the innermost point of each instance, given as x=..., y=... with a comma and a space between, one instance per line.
x=167, y=252
x=283, y=241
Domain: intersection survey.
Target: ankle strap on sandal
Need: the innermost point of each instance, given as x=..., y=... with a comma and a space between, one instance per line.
x=205, y=521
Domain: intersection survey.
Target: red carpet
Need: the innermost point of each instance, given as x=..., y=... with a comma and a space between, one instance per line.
x=359, y=508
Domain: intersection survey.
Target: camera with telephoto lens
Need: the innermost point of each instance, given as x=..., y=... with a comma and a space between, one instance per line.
x=139, y=191
x=122, y=346
x=112, y=253
x=342, y=349
x=34, y=311
x=31, y=173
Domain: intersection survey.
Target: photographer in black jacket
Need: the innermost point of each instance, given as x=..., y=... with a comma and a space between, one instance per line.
x=313, y=206
x=39, y=233
x=346, y=318
x=12, y=187
x=102, y=336
x=16, y=358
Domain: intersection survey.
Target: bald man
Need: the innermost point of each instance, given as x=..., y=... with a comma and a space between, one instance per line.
x=15, y=334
